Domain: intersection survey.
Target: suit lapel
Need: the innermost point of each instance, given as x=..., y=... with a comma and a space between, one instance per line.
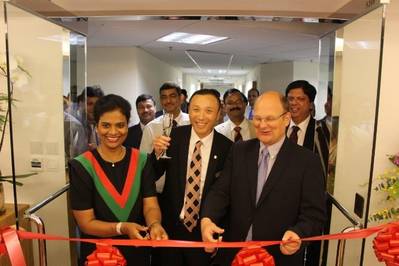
x=276, y=171
x=182, y=157
x=252, y=169
x=214, y=157
x=309, y=135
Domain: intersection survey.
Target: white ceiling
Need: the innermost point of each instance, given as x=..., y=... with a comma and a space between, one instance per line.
x=250, y=42
x=112, y=23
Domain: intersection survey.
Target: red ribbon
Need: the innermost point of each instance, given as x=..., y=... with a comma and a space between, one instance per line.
x=356, y=234
x=253, y=256
x=386, y=246
x=106, y=256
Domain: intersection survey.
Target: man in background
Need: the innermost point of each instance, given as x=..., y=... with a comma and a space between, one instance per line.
x=86, y=101
x=184, y=102
x=253, y=94
x=169, y=95
x=145, y=106
x=237, y=127
x=302, y=131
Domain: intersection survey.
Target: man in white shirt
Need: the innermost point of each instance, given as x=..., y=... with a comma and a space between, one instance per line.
x=302, y=130
x=237, y=127
x=169, y=95
x=197, y=156
x=253, y=94
x=300, y=95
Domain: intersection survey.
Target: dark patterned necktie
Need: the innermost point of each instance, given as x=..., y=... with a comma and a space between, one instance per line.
x=174, y=124
x=238, y=135
x=193, y=184
x=294, y=134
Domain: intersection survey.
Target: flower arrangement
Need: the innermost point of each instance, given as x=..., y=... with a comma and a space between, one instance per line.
x=389, y=184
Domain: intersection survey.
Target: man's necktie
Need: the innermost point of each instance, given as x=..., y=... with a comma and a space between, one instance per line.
x=174, y=124
x=250, y=115
x=237, y=136
x=193, y=184
x=294, y=134
x=262, y=172
x=262, y=177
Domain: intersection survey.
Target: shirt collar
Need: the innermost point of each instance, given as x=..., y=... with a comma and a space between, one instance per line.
x=303, y=125
x=205, y=141
x=273, y=149
x=178, y=118
x=142, y=126
x=243, y=125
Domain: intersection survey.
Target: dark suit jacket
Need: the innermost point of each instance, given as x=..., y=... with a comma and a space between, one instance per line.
x=308, y=142
x=292, y=198
x=172, y=197
x=133, y=138
x=317, y=139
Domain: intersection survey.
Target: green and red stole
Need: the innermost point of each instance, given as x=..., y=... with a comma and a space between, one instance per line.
x=120, y=204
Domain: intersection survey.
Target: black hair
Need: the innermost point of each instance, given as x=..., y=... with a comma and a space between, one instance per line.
x=170, y=85
x=144, y=97
x=184, y=92
x=307, y=88
x=211, y=92
x=110, y=103
x=232, y=91
x=91, y=91
x=254, y=89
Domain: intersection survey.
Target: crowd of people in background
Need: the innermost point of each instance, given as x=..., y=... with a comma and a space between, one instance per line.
x=242, y=167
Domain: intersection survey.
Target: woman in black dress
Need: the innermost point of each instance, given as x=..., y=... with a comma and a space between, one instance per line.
x=112, y=188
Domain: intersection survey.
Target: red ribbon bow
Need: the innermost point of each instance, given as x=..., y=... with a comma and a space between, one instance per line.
x=106, y=256
x=386, y=246
x=253, y=256
x=9, y=244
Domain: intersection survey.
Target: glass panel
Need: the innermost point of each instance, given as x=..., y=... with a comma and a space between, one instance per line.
x=53, y=63
x=355, y=87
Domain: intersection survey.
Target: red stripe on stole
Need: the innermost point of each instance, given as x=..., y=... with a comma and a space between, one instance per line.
x=120, y=199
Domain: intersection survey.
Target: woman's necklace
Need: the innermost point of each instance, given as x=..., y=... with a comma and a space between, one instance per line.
x=106, y=158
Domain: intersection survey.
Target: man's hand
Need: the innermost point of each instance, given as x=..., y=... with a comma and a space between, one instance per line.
x=157, y=232
x=160, y=145
x=208, y=228
x=291, y=243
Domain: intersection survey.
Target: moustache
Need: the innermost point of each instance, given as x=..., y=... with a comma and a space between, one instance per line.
x=235, y=109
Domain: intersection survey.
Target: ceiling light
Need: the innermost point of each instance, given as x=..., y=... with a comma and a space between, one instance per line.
x=188, y=38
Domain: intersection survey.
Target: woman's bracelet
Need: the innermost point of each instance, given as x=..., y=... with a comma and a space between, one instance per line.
x=118, y=228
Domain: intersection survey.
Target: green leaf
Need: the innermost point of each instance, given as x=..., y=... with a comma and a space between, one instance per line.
x=19, y=176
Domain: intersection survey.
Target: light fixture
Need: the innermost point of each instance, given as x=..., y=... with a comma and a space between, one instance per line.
x=339, y=44
x=188, y=38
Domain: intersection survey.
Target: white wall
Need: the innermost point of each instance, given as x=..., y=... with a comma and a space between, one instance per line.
x=129, y=72
x=38, y=123
x=276, y=76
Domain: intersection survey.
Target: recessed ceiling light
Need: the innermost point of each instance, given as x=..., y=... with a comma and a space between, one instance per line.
x=188, y=38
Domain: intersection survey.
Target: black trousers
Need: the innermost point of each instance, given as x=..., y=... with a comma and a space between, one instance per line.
x=185, y=256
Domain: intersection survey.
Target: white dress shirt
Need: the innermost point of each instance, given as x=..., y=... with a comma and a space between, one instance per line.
x=205, y=154
x=153, y=130
x=227, y=129
x=302, y=130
